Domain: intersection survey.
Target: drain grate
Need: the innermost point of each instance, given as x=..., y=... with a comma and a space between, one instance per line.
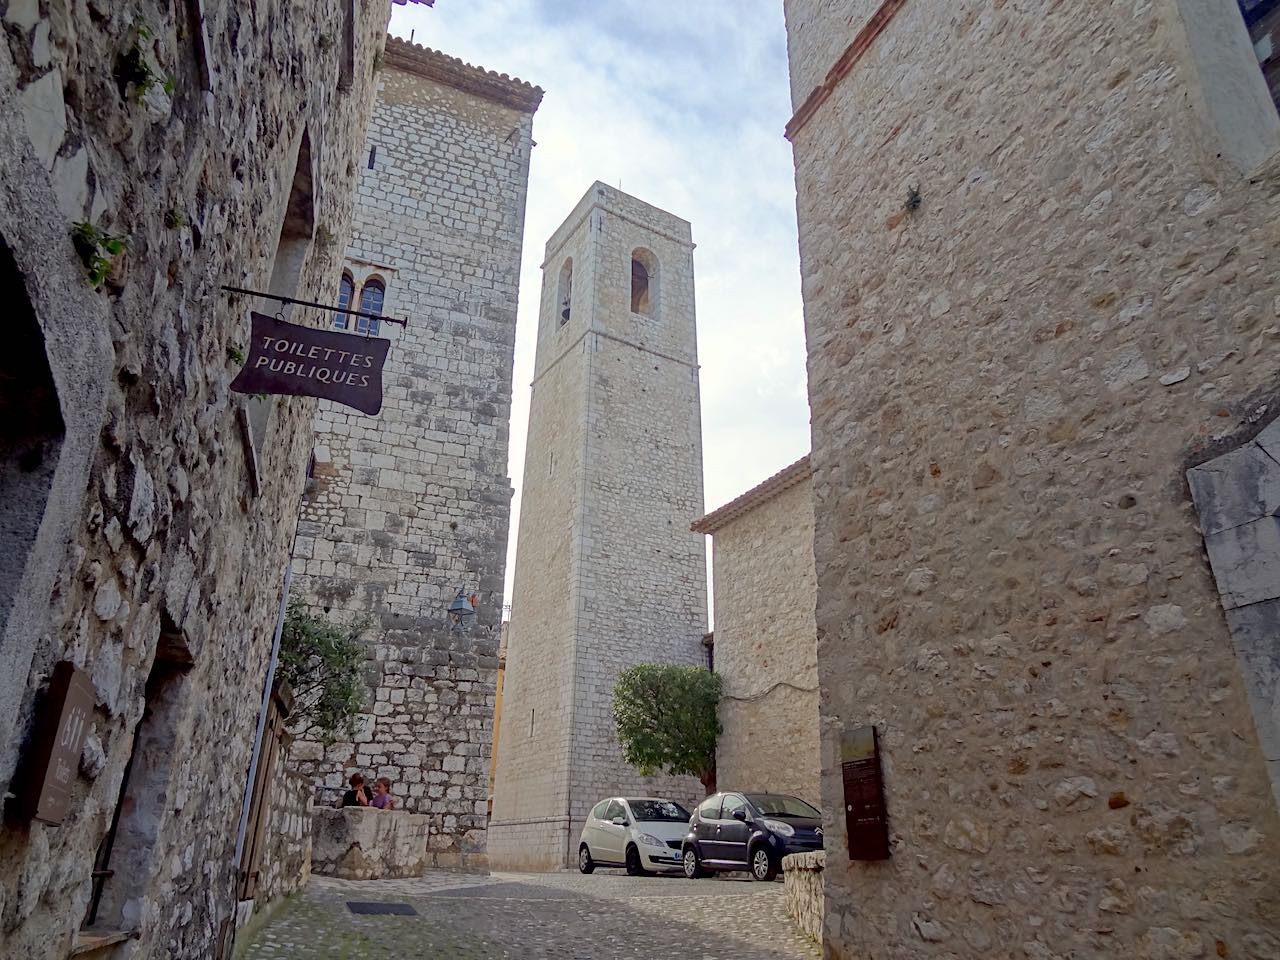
x=400, y=909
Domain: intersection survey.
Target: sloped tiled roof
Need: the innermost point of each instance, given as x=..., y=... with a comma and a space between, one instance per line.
x=434, y=65
x=784, y=479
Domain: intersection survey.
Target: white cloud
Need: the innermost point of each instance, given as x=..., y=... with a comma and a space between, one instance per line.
x=683, y=104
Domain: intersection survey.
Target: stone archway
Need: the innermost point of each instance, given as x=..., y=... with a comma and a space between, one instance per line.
x=1237, y=496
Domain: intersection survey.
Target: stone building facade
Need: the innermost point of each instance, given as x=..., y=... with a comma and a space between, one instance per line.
x=765, y=643
x=608, y=574
x=407, y=508
x=499, y=685
x=148, y=511
x=1039, y=258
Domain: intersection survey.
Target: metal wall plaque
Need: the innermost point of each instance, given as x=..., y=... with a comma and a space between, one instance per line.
x=49, y=769
x=865, y=820
x=291, y=360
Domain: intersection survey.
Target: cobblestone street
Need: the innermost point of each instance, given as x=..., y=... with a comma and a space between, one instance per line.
x=565, y=916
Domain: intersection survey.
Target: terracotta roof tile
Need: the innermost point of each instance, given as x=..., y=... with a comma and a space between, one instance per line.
x=434, y=65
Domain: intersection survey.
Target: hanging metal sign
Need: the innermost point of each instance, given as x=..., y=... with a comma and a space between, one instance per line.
x=291, y=360
x=44, y=789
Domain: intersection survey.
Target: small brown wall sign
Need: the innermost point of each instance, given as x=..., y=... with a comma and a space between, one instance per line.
x=291, y=360
x=864, y=812
x=49, y=770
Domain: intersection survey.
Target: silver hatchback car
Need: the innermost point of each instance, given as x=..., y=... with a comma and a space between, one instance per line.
x=642, y=834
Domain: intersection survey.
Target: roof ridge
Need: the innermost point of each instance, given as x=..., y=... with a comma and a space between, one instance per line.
x=438, y=65
x=784, y=479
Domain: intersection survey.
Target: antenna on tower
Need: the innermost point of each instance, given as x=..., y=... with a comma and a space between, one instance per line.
x=411, y=33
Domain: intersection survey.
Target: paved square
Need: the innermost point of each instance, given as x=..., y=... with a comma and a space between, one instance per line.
x=564, y=916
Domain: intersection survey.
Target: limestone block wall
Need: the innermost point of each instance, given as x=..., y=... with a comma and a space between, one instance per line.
x=286, y=861
x=643, y=585
x=530, y=799
x=608, y=573
x=1007, y=385
x=766, y=644
x=164, y=535
x=412, y=505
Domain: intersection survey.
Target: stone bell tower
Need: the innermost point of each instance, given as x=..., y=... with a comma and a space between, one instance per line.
x=608, y=573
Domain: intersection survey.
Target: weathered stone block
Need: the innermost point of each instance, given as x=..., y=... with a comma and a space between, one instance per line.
x=1235, y=488
x=1246, y=561
x=45, y=114
x=362, y=843
x=1254, y=630
x=802, y=876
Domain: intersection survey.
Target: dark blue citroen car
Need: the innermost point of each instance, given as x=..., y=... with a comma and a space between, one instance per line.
x=749, y=831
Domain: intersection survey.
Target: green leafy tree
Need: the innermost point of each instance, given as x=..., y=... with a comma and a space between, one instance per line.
x=666, y=718
x=322, y=664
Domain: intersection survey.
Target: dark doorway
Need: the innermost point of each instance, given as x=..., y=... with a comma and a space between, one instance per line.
x=31, y=431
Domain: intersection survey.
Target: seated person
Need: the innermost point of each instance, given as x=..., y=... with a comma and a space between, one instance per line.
x=358, y=795
x=382, y=798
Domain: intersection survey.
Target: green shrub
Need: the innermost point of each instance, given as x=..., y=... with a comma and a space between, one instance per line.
x=666, y=720
x=322, y=661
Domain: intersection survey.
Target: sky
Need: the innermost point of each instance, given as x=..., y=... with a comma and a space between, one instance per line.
x=681, y=104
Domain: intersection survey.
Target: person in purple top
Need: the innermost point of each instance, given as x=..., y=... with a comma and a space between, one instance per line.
x=382, y=798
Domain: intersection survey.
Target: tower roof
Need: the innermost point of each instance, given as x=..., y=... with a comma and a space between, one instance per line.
x=601, y=196
x=489, y=84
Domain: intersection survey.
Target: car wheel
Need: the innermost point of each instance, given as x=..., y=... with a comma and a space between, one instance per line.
x=693, y=868
x=585, y=863
x=635, y=866
x=764, y=866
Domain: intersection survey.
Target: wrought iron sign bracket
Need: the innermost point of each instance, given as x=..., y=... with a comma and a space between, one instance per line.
x=317, y=306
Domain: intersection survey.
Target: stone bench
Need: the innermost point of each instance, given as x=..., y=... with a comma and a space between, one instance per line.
x=802, y=874
x=362, y=843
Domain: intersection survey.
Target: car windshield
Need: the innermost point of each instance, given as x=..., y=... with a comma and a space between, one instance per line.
x=777, y=805
x=660, y=810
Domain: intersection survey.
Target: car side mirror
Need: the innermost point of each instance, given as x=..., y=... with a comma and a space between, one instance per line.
x=619, y=821
x=740, y=814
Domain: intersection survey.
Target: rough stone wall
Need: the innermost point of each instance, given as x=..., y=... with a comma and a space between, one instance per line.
x=802, y=875
x=286, y=862
x=1007, y=385
x=766, y=647
x=608, y=573
x=413, y=504
x=154, y=524
x=817, y=34
x=364, y=843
